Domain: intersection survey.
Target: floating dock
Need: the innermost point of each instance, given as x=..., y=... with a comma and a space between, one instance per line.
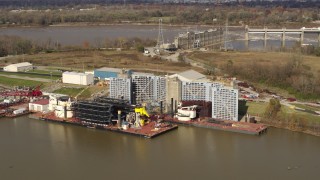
x=225, y=125
x=147, y=131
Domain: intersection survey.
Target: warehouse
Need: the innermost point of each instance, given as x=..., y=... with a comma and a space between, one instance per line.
x=77, y=78
x=39, y=106
x=106, y=73
x=20, y=67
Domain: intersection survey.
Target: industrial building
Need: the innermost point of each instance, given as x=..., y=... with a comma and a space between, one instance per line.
x=19, y=67
x=120, y=88
x=225, y=103
x=41, y=105
x=106, y=73
x=77, y=78
x=198, y=39
x=148, y=88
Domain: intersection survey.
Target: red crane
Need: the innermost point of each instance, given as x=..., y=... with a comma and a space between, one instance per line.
x=23, y=92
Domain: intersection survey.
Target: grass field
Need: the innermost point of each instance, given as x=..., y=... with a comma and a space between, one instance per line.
x=46, y=72
x=18, y=82
x=70, y=91
x=89, y=60
x=220, y=58
x=29, y=75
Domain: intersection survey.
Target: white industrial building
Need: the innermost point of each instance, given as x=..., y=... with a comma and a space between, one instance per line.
x=77, y=78
x=41, y=105
x=19, y=67
x=198, y=91
x=148, y=88
x=120, y=88
x=225, y=103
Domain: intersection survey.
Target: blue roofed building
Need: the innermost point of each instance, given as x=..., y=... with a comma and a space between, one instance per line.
x=106, y=73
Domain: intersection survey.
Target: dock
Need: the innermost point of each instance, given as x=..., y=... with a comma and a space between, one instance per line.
x=147, y=131
x=224, y=125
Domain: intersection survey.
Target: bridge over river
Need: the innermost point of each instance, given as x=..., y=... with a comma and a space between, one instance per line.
x=283, y=32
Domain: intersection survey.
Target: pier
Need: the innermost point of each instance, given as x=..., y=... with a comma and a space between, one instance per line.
x=265, y=31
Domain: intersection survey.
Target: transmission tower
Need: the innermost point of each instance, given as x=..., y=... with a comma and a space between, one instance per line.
x=227, y=44
x=160, y=40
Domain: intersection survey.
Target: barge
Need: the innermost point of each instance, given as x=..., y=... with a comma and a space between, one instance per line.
x=150, y=130
x=225, y=125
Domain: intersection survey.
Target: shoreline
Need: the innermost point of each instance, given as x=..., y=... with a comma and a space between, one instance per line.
x=99, y=24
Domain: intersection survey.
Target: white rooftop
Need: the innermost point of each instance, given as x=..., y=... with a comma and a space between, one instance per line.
x=142, y=74
x=190, y=76
x=110, y=69
x=75, y=73
x=21, y=64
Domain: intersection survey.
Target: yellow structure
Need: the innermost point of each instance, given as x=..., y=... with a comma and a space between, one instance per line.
x=142, y=111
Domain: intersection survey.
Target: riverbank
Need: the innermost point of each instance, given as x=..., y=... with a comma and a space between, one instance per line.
x=280, y=126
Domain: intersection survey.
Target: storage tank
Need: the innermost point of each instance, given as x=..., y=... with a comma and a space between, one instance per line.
x=60, y=111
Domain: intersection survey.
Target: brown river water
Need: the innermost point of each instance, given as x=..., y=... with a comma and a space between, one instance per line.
x=32, y=149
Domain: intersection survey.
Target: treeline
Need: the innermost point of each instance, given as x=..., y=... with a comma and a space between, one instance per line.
x=252, y=3
x=14, y=45
x=171, y=14
x=293, y=76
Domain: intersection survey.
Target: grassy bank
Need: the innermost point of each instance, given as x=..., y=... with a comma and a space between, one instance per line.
x=287, y=118
x=18, y=82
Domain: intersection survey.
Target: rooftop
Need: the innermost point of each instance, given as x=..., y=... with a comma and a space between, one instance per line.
x=110, y=69
x=190, y=76
x=42, y=102
x=21, y=64
x=74, y=73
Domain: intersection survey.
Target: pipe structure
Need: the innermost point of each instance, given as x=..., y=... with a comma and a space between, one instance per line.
x=172, y=112
x=119, y=119
x=161, y=105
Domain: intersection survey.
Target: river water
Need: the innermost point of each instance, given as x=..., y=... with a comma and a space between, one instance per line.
x=33, y=149
x=96, y=35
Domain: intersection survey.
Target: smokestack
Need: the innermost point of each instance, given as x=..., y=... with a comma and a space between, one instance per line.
x=172, y=112
x=65, y=112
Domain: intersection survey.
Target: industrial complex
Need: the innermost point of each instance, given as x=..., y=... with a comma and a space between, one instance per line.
x=137, y=103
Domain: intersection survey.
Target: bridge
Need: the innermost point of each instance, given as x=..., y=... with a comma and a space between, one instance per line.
x=283, y=33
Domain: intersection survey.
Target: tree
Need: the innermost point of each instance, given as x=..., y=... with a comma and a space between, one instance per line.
x=273, y=108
